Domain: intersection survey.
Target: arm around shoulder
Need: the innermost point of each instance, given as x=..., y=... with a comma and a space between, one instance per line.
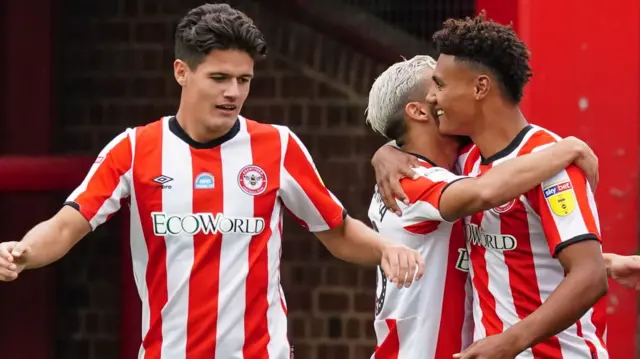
x=509, y=180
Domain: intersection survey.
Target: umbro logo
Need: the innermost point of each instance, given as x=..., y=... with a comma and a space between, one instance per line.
x=162, y=181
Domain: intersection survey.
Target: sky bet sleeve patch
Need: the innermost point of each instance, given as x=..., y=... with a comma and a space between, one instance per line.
x=561, y=198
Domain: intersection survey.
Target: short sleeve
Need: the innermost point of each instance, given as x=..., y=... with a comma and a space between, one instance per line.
x=107, y=183
x=303, y=192
x=424, y=194
x=567, y=209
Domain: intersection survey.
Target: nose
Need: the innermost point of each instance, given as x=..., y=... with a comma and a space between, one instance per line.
x=431, y=96
x=232, y=90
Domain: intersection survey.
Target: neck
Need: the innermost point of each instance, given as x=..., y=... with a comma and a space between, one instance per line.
x=197, y=129
x=500, y=128
x=441, y=150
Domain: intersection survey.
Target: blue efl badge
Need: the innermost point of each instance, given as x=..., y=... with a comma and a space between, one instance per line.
x=204, y=181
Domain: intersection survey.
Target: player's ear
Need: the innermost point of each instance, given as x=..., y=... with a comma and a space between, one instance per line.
x=180, y=72
x=417, y=111
x=482, y=86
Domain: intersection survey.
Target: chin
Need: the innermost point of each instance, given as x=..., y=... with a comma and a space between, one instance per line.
x=220, y=117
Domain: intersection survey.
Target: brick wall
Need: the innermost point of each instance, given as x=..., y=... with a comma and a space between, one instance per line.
x=115, y=71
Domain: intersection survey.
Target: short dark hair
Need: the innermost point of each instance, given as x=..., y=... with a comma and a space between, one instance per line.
x=492, y=45
x=216, y=27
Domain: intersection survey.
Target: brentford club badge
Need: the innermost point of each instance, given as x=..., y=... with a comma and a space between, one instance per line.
x=505, y=207
x=252, y=180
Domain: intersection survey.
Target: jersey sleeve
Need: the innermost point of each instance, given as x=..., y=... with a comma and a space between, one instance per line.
x=107, y=183
x=303, y=192
x=424, y=194
x=567, y=209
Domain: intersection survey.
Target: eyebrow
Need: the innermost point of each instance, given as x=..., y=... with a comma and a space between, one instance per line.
x=437, y=80
x=224, y=74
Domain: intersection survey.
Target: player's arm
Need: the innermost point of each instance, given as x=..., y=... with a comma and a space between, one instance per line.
x=52, y=239
x=390, y=166
x=514, y=177
x=97, y=198
x=569, y=218
x=355, y=242
x=318, y=210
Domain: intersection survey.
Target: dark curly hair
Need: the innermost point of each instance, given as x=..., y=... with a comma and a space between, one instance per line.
x=216, y=27
x=492, y=45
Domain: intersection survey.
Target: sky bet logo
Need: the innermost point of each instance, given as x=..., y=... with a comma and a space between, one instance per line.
x=204, y=181
x=560, y=197
x=557, y=188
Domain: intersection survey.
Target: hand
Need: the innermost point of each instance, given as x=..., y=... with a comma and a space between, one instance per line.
x=400, y=264
x=587, y=161
x=390, y=166
x=493, y=347
x=624, y=270
x=12, y=260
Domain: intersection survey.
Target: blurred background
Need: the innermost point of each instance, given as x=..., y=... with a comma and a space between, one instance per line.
x=75, y=73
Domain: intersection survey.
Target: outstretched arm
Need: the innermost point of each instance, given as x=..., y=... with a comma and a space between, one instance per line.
x=514, y=177
x=52, y=239
x=391, y=165
x=91, y=204
x=354, y=242
x=317, y=209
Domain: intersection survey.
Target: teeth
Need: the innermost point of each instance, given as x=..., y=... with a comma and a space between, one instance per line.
x=440, y=113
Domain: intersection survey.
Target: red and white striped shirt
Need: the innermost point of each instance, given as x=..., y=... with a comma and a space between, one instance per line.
x=206, y=230
x=513, y=251
x=427, y=320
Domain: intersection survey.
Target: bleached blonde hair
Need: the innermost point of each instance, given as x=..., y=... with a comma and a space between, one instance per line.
x=391, y=91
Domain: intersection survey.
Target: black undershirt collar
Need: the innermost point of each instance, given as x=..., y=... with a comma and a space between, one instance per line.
x=175, y=128
x=510, y=147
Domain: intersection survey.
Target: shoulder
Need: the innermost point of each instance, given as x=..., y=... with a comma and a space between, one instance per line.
x=151, y=130
x=430, y=178
x=270, y=133
x=433, y=173
x=540, y=138
x=257, y=127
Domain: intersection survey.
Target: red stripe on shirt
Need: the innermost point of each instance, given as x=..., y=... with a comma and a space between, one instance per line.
x=265, y=148
x=453, y=313
x=149, y=166
x=390, y=347
x=425, y=227
x=105, y=179
x=204, y=282
x=524, y=284
x=490, y=320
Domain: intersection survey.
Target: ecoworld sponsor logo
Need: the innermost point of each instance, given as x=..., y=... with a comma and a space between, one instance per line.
x=501, y=242
x=207, y=223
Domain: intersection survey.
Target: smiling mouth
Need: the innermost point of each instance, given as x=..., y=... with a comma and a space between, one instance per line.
x=226, y=107
x=434, y=113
